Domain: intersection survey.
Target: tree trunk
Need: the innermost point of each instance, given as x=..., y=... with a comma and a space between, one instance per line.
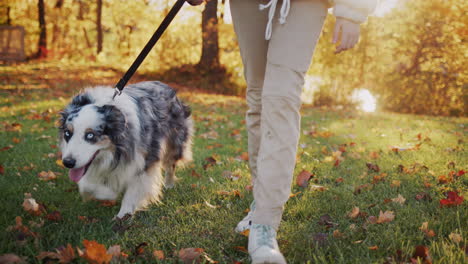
x=42, y=44
x=99, y=26
x=210, y=49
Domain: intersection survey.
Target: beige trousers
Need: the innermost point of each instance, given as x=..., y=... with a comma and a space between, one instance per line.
x=274, y=71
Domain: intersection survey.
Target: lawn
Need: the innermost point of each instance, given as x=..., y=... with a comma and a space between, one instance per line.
x=372, y=187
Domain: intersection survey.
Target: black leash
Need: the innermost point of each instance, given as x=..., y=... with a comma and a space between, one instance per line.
x=141, y=57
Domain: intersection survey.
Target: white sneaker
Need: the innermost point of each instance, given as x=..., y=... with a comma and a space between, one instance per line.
x=263, y=247
x=245, y=223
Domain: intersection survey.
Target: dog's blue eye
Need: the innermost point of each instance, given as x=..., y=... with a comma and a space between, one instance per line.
x=89, y=136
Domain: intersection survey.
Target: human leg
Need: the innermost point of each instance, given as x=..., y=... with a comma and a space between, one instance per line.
x=249, y=24
x=289, y=54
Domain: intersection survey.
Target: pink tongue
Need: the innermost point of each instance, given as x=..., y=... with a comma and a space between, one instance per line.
x=76, y=174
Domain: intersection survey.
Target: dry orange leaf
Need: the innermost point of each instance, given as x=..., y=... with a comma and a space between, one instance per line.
x=456, y=238
x=385, y=217
x=245, y=233
x=337, y=234
x=46, y=176
x=2, y=170
x=303, y=178
x=95, y=253
x=374, y=155
x=244, y=156
x=59, y=163
x=425, y=228
x=395, y=183
x=373, y=248
x=190, y=255
x=241, y=248
x=16, y=140
x=294, y=194
x=354, y=213
x=158, y=254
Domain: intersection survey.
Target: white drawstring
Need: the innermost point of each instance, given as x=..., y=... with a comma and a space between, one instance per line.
x=271, y=13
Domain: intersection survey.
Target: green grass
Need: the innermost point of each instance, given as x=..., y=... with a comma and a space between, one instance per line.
x=184, y=218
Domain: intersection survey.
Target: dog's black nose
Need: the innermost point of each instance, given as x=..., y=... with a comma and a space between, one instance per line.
x=69, y=162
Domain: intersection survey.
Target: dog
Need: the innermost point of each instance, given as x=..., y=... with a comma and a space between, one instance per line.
x=121, y=146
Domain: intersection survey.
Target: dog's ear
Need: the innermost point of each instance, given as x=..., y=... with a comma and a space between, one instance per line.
x=74, y=107
x=118, y=130
x=81, y=99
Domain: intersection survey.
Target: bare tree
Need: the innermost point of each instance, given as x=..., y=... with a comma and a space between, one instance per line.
x=99, y=26
x=210, y=48
x=42, y=44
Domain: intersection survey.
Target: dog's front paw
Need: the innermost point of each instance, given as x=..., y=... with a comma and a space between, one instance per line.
x=170, y=182
x=125, y=217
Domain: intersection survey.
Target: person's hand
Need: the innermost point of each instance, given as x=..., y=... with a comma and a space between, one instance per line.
x=348, y=32
x=195, y=2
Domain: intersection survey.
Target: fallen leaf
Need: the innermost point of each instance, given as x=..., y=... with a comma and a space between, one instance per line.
x=373, y=167
x=244, y=156
x=319, y=188
x=303, y=178
x=140, y=249
x=190, y=255
x=245, y=233
x=48, y=255
x=107, y=203
x=55, y=216
x=2, y=170
x=337, y=234
x=372, y=219
x=59, y=163
x=16, y=140
x=6, y=148
x=294, y=194
x=399, y=199
x=374, y=155
x=456, y=238
x=452, y=200
x=116, y=253
x=373, y=248
x=66, y=254
x=327, y=221
x=30, y=205
x=395, y=183
x=46, y=176
x=425, y=229
x=422, y=252
x=339, y=180
x=95, y=252
x=385, y=217
x=423, y=196
x=210, y=161
x=88, y=219
x=195, y=174
x=442, y=179
x=241, y=249
x=354, y=213
x=11, y=259
x=159, y=254
x=360, y=188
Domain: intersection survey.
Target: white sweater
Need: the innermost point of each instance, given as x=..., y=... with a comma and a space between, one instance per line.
x=354, y=10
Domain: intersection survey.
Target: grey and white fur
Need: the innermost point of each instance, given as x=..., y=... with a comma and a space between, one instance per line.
x=121, y=145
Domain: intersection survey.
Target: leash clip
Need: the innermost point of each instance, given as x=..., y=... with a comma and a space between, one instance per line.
x=117, y=92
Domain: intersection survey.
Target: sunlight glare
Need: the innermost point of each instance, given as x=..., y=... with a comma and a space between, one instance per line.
x=366, y=100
